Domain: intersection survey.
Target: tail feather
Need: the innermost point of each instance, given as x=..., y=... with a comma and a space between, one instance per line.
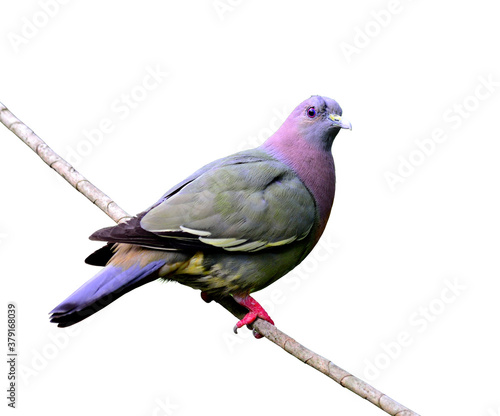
x=105, y=287
x=102, y=256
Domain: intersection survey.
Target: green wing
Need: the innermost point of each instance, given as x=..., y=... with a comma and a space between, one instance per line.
x=238, y=207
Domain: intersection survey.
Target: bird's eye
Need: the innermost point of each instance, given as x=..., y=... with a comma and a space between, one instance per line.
x=311, y=112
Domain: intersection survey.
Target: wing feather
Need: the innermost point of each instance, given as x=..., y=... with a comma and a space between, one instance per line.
x=248, y=203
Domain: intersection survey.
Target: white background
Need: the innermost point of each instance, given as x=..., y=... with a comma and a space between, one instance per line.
x=389, y=254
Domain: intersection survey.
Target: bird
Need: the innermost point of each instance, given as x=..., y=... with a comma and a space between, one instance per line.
x=230, y=229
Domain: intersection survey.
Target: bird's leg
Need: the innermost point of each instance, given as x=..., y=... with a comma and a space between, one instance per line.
x=255, y=311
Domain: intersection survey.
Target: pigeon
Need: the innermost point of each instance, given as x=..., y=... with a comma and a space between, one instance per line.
x=230, y=229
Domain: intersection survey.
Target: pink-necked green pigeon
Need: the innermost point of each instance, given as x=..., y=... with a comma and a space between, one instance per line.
x=232, y=228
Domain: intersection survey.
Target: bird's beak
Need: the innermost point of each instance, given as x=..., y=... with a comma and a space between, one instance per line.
x=340, y=121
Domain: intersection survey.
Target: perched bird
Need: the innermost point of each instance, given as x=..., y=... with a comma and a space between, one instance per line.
x=232, y=228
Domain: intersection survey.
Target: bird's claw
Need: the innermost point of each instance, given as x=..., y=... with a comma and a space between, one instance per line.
x=255, y=311
x=255, y=333
x=249, y=318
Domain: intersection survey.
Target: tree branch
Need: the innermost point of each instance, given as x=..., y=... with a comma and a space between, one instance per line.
x=106, y=204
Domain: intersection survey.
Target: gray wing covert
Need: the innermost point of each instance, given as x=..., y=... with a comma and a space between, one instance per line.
x=237, y=207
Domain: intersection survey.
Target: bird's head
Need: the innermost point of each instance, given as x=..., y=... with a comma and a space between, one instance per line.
x=318, y=120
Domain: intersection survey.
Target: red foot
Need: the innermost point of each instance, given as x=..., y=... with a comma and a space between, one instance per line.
x=255, y=311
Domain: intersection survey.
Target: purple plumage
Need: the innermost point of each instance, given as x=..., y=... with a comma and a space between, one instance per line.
x=105, y=287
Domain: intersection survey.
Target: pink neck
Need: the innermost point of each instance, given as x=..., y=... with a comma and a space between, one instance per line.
x=314, y=167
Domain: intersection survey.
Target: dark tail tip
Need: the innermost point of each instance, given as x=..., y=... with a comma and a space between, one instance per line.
x=107, y=286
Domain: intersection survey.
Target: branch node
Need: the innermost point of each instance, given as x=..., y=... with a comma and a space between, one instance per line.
x=10, y=127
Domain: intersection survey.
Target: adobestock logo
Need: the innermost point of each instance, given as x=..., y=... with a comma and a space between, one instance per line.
x=418, y=323
x=255, y=140
x=119, y=110
x=164, y=407
x=453, y=117
x=223, y=7
x=275, y=296
x=31, y=27
x=59, y=340
x=363, y=36
x=493, y=412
